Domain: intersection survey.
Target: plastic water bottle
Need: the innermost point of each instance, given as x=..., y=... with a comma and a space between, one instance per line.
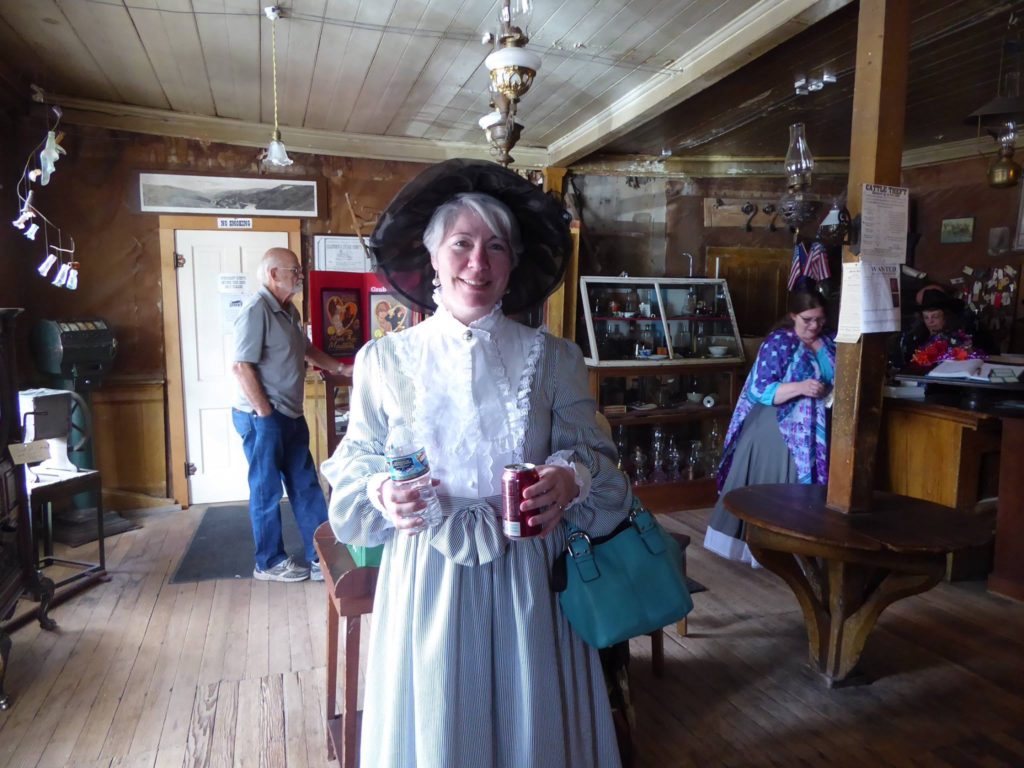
x=409, y=468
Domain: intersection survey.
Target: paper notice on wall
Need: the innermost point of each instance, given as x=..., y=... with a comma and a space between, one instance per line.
x=870, y=301
x=231, y=282
x=232, y=290
x=883, y=223
x=340, y=254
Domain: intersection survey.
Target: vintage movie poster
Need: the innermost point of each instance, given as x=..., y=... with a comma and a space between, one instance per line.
x=342, y=323
x=387, y=315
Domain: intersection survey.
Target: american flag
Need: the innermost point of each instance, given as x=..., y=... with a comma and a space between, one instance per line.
x=799, y=259
x=816, y=266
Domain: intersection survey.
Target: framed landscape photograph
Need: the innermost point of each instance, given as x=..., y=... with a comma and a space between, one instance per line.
x=957, y=230
x=184, y=193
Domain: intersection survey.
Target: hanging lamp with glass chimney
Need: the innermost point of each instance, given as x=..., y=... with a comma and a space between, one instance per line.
x=798, y=205
x=1001, y=116
x=512, y=69
x=276, y=155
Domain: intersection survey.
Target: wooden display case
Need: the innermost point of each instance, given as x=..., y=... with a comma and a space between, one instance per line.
x=642, y=321
x=665, y=364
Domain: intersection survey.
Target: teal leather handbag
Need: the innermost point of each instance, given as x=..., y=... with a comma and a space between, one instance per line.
x=622, y=585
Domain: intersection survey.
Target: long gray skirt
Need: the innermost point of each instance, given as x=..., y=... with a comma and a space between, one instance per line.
x=761, y=457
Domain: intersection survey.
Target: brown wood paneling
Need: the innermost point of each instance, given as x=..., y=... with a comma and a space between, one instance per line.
x=757, y=284
x=129, y=438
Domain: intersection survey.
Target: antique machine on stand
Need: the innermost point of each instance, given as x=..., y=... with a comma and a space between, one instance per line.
x=75, y=355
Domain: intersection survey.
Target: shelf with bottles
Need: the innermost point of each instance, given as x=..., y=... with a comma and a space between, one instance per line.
x=672, y=466
x=638, y=321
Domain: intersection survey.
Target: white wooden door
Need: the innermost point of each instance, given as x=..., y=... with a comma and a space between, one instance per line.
x=210, y=293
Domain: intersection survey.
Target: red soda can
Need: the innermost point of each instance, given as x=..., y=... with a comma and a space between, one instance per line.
x=515, y=479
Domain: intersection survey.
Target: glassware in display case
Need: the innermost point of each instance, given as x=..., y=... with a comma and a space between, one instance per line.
x=657, y=321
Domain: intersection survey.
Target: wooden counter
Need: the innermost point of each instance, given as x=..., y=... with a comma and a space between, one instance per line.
x=938, y=453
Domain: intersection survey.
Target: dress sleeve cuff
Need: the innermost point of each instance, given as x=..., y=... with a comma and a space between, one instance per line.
x=583, y=477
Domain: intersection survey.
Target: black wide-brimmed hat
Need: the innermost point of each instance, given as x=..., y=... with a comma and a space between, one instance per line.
x=403, y=261
x=936, y=298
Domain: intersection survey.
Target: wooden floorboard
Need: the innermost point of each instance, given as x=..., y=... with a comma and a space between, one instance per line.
x=225, y=673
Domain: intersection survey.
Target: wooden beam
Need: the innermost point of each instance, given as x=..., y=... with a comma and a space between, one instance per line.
x=876, y=148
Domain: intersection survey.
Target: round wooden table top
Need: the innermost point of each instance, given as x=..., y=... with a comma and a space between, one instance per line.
x=894, y=524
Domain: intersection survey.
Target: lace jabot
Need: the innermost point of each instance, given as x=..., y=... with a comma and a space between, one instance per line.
x=472, y=389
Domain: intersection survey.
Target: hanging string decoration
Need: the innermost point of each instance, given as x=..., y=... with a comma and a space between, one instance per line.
x=58, y=249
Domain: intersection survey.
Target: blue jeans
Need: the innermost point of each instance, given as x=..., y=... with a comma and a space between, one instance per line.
x=277, y=449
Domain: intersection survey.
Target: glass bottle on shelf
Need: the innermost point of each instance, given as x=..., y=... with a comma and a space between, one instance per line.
x=714, y=450
x=695, y=461
x=689, y=301
x=621, y=444
x=672, y=460
x=639, y=465
x=699, y=344
x=657, y=454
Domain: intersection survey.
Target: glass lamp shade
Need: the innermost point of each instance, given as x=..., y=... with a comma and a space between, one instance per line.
x=799, y=162
x=516, y=13
x=1005, y=171
x=276, y=153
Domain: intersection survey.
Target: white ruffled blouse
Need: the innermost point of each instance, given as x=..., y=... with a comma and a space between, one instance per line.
x=472, y=400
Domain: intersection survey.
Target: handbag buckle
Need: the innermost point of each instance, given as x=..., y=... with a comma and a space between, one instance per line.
x=578, y=536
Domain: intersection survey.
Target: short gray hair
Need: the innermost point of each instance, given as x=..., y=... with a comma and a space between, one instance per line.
x=494, y=213
x=272, y=258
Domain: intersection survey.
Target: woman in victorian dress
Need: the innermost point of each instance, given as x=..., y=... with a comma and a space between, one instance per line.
x=779, y=430
x=471, y=661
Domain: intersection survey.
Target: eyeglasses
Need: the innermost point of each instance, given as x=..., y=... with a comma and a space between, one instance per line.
x=811, y=320
x=293, y=270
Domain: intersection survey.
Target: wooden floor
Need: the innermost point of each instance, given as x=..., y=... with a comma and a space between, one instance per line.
x=144, y=673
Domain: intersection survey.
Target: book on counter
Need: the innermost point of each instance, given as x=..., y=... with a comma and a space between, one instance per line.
x=977, y=370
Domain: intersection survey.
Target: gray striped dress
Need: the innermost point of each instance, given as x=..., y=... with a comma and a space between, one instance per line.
x=471, y=662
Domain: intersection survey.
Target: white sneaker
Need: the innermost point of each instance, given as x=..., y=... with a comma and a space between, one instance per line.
x=286, y=570
x=315, y=574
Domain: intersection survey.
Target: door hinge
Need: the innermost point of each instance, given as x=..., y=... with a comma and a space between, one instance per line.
x=190, y=468
x=179, y=261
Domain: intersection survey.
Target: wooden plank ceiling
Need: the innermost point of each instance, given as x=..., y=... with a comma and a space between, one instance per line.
x=404, y=79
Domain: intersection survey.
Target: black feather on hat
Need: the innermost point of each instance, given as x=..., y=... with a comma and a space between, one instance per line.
x=403, y=260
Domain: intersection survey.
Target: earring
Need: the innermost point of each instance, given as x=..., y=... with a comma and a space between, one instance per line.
x=436, y=282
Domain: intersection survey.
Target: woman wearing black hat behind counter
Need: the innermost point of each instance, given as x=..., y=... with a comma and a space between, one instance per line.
x=471, y=662
x=937, y=334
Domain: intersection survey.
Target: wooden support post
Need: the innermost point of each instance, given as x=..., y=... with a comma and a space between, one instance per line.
x=876, y=147
x=560, y=308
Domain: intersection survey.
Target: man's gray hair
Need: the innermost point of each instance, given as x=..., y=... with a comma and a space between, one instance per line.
x=494, y=213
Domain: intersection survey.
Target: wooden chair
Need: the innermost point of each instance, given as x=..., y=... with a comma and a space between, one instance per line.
x=350, y=591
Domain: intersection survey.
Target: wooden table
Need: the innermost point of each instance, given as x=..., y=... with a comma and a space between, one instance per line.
x=845, y=569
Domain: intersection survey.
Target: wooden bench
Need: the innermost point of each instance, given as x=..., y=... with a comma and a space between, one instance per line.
x=350, y=591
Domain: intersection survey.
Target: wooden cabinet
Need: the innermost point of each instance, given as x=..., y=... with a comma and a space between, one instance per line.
x=665, y=360
x=654, y=409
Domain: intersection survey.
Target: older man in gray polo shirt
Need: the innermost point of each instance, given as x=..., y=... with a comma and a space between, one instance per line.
x=270, y=350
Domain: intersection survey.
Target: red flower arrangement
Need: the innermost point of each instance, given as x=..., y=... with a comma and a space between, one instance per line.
x=957, y=346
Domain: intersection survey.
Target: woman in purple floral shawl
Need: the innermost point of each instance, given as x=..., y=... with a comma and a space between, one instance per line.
x=779, y=430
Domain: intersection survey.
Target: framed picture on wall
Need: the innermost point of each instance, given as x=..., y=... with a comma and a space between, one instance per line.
x=337, y=313
x=957, y=230
x=388, y=312
x=240, y=195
